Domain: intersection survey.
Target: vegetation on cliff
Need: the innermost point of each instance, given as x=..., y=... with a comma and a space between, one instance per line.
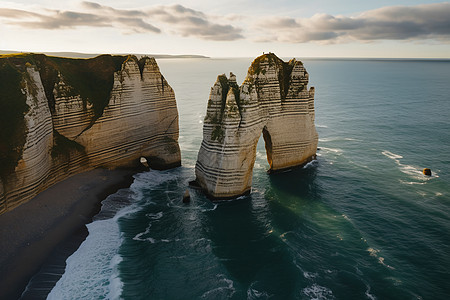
x=13, y=107
x=284, y=74
x=91, y=79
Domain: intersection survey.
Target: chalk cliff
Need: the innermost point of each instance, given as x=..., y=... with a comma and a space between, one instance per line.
x=61, y=116
x=273, y=101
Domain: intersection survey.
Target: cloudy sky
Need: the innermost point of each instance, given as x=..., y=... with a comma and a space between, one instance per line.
x=232, y=28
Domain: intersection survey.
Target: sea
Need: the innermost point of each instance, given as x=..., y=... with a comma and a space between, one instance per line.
x=360, y=222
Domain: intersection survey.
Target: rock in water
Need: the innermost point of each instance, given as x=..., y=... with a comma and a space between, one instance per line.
x=66, y=116
x=273, y=101
x=186, y=197
x=427, y=172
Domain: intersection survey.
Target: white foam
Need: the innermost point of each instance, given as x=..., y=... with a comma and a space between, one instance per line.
x=391, y=155
x=311, y=164
x=254, y=293
x=138, y=237
x=89, y=270
x=209, y=209
x=92, y=271
x=368, y=294
x=154, y=216
x=333, y=150
x=336, y=138
x=410, y=170
x=116, y=285
x=221, y=292
x=310, y=275
x=318, y=292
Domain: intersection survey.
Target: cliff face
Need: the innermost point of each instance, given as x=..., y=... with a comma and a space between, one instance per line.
x=61, y=116
x=273, y=101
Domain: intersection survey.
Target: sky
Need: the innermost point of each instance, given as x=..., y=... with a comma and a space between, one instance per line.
x=232, y=28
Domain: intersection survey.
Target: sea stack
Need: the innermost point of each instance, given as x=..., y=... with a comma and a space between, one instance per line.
x=274, y=101
x=62, y=116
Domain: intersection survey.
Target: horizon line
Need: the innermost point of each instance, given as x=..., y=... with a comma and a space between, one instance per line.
x=200, y=56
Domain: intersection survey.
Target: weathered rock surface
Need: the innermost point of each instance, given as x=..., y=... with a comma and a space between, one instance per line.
x=274, y=101
x=61, y=116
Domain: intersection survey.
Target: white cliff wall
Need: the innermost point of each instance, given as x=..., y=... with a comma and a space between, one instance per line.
x=273, y=101
x=34, y=168
x=140, y=120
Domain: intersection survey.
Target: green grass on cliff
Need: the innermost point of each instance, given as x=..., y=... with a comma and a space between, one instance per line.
x=92, y=79
x=218, y=133
x=284, y=74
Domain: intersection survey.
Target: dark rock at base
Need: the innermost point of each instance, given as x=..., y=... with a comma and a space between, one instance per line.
x=427, y=172
x=186, y=197
x=194, y=184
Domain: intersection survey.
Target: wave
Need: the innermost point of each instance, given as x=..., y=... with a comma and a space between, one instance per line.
x=222, y=292
x=410, y=170
x=333, y=139
x=318, y=292
x=310, y=275
x=368, y=294
x=254, y=292
x=311, y=164
x=332, y=150
x=92, y=272
x=391, y=155
x=89, y=271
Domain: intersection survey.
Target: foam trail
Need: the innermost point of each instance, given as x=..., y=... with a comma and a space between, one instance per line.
x=410, y=170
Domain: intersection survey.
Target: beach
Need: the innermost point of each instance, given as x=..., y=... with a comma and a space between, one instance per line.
x=30, y=232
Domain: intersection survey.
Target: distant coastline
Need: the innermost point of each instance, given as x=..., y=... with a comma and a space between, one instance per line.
x=195, y=56
x=90, y=55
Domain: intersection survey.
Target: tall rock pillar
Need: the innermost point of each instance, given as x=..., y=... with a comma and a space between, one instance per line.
x=273, y=101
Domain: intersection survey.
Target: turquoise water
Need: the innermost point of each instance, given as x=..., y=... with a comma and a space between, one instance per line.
x=361, y=222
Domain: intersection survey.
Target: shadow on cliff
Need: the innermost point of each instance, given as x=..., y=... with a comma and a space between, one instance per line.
x=247, y=234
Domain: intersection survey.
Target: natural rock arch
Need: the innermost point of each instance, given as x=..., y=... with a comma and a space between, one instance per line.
x=273, y=101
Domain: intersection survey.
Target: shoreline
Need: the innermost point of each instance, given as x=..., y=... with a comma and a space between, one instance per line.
x=30, y=233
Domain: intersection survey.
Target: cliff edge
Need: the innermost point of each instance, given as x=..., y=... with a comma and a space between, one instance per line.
x=61, y=116
x=274, y=101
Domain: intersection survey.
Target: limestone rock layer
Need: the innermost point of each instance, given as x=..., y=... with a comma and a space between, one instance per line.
x=274, y=101
x=61, y=116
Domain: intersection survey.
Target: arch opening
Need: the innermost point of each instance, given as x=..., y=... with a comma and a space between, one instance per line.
x=268, y=145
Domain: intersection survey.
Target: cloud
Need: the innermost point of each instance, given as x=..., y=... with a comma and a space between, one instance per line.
x=188, y=22
x=176, y=19
x=428, y=21
x=56, y=19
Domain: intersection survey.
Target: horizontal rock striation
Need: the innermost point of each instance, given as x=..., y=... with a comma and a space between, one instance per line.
x=273, y=101
x=61, y=116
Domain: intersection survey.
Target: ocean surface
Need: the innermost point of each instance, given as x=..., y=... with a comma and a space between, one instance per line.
x=360, y=222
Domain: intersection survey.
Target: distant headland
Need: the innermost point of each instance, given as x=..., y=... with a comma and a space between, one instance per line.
x=92, y=55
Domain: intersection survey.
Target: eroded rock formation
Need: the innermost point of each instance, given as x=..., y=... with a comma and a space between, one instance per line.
x=61, y=116
x=273, y=101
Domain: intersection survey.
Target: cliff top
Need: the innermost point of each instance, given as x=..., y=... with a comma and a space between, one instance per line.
x=92, y=79
x=262, y=63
